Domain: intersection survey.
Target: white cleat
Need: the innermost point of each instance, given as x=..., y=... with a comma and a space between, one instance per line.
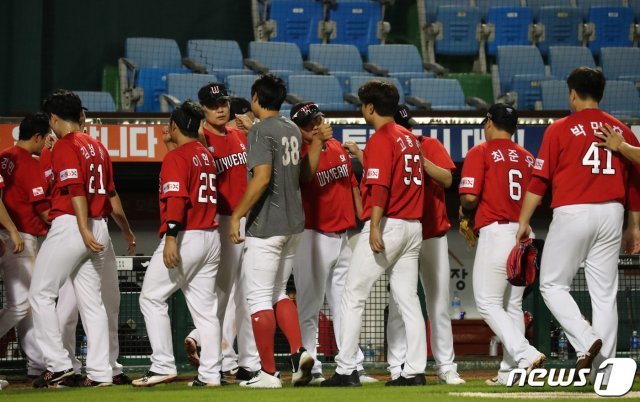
x=365, y=379
x=495, y=381
x=150, y=379
x=4, y=384
x=316, y=379
x=263, y=380
x=451, y=377
x=301, y=363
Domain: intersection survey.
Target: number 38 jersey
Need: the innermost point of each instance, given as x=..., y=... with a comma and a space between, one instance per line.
x=189, y=172
x=79, y=159
x=498, y=172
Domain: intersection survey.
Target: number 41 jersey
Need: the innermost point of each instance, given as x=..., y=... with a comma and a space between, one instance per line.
x=189, y=172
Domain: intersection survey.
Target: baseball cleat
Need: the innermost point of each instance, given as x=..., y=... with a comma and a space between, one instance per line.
x=88, y=382
x=364, y=378
x=537, y=363
x=50, y=378
x=191, y=347
x=343, y=380
x=495, y=381
x=244, y=375
x=4, y=384
x=233, y=371
x=418, y=379
x=121, y=379
x=301, y=363
x=451, y=377
x=263, y=380
x=76, y=380
x=150, y=379
x=586, y=360
x=197, y=383
x=316, y=379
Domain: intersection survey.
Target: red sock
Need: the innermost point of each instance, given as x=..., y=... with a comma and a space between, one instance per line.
x=287, y=317
x=264, y=329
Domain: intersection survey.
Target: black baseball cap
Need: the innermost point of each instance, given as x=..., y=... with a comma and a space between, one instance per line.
x=238, y=106
x=403, y=117
x=212, y=92
x=304, y=112
x=504, y=116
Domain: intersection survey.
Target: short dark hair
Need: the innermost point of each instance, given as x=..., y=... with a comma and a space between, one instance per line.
x=271, y=91
x=382, y=95
x=64, y=104
x=34, y=124
x=587, y=82
x=188, y=117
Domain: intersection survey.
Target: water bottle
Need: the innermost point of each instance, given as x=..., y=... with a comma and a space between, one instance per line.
x=456, y=306
x=563, y=346
x=83, y=347
x=369, y=353
x=634, y=346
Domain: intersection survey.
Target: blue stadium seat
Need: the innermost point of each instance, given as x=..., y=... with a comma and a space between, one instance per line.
x=296, y=22
x=511, y=26
x=240, y=85
x=431, y=7
x=535, y=5
x=564, y=59
x=485, y=5
x=401, y=61
x=561, y=27
x=585, y=5
x=458, y=30
x=357, y=81
x=324, y=90
x=342, y=61
x=97, y=101
x=356, y=23
x=621, y=99
x=181, y=87
x=611, y=26
x=441, y=93
x=621, y=63
x=281, y=59
x=521, y=69
x=555, y=95
x=219, y=57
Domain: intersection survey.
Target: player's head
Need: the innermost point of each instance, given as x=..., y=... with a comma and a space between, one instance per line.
x=500, y=118
x=268, y=92
x=378, y=98
x=62, y=106
x=238, y=106
x=34, y=128
x=403, y=117
x=215, y=100
x=585, y=84
x=307, y=116
x=186, y=119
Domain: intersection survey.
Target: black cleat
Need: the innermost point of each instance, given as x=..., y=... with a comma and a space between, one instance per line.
x=343, y=380
x=418, y=379
x=244, y=375
x=88, y=382
x=48, y=378
x=121, y=379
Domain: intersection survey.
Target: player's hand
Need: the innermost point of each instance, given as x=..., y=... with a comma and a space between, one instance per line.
x=244, y=122
x=325, y=132
x=524, y=231
x=130, y=238
x=50, y=140
x=18, y=243
x=90, y=241
x=234, y=231
x=610, y=138
x=631, y=240
x=375, y=240
x=170, y=253
x=353, y=149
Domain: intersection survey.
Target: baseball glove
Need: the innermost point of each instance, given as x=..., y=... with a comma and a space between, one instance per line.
x=466, y=230
x=522, y=264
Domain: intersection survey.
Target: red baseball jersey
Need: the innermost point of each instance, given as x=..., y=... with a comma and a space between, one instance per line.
x=498, y=172
x=47, y=169
x=189, y=172
x=578, y=171
x=25, y=186
x=78, y=158
x=328, y=198
x=435, y=221
x=230, y=156
x=392, y=160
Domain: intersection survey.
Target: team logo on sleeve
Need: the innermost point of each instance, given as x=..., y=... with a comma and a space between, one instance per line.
x=170, y=186
x=539, y=164
x=373, y=173
x=467, y=182
x=37, y=191
x=68, y=174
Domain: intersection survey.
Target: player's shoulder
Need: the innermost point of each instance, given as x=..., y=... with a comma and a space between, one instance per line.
x=236, y=132
x=479, y=149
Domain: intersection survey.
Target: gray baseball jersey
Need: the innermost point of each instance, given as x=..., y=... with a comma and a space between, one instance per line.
x=276, y=141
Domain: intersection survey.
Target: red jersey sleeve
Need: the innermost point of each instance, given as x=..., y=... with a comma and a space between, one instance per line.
x=379, y=155
x=35, y=184
x=472, y=177
x=547, y=159
x=173, y=182
x=437, y=153
x=66, y=165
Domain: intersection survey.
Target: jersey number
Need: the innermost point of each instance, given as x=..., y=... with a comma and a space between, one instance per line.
x=291, y=154
x=92, y=180
x=515, y=189
x=592, y=158
x=207, y=185
x=410, y=161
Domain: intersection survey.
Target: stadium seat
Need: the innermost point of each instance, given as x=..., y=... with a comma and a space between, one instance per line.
x=611, y=27
x=325, y=90
x=585, y=5
x=357, y=81
x=341, y=61
x=555, y=95
x=621, y=63
x=511, y=27
x=535, y=5
x=520, y=69
x=564, y=59
x=240, y=85
x=181, y=87
x=485, y=5
x=296, y=21
x=281, y=59
x=621, y=99
x=96, y=101
x=356, y=23
x=561, y=26
x=400, y=61
x=457, y=27
x=438, y=93
x=219, y=57
x=431, y=7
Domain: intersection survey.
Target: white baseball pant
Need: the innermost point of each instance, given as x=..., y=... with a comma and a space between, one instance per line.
x=62, y=255
x=196, y=276
x=232, y=304
x=434, y=275
x=402, y=239
x=17, y=270
x=320, y=266
x=589, y=233
x=498, y=302
x=67, y=310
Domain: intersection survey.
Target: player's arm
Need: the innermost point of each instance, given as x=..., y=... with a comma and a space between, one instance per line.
x=357, y=201
x=380, y=197
x=616, y=143
x=81, y=210
x=442, y=176
x=118, y=215
x=7, y=223
x=631, y=236
x=311, y=161
x=175, y=220
x=354, y=150
x=529, y=205
x=255, y=188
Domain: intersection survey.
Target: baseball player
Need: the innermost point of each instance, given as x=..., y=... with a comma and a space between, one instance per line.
x=228, y=148
x=24, y=198
x=74, y=247
x=434, y=263
x=493, y=177
x=189, y=262
x=392, y=197
x=590, y=187
x=273, y=230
